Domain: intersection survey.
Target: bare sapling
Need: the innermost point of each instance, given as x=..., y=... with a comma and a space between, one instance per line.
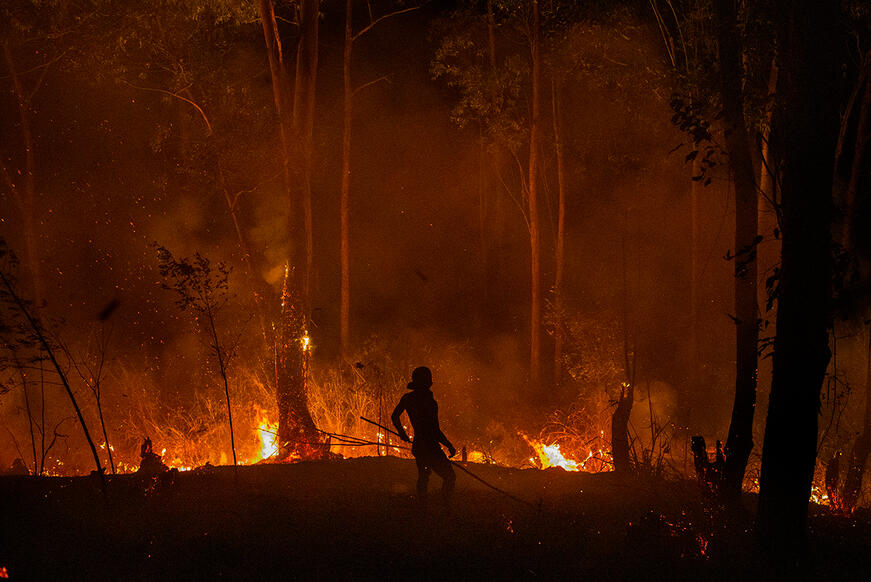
x=203, y=289
x=91, y=370
x=19, y=306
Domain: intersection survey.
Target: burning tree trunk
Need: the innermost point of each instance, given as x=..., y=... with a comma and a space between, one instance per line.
x=620, y=430
x=740, y=441
x=296, y=121
x=297, y=435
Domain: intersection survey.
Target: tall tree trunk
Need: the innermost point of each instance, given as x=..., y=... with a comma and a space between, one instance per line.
x=534, y=221
x=303, y=120
x=695, y=187
x=290, y=340
x=559, y=334
x=857, y=171
x=620, y=430
x=24, y=194
x=808, y=44
x=344, y=203
x=491, y=35
x=483, y=229
x=862, y=446
x=297, y=436
x=740, y=441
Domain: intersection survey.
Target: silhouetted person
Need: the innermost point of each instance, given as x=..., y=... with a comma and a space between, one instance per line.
x=423, y=411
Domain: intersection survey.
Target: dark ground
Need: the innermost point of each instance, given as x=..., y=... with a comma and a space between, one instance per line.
x=356, y=520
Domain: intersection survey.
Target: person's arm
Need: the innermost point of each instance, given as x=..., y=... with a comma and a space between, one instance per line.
x=441, y=436
x=397, y=422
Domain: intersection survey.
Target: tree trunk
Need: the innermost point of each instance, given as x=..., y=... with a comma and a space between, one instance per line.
x=740, y=441
x=25, y=197
x=861, y=448
x=303, y=122
x=620, y=430
x=297, y=436
x=808, y=44
x=36, y=327
x=695, y=187
x=558, y=334
x=105, y=434
x=344, y=203
x=295, y=114
x=534, y=226
x=222, y=368
x=856, y=172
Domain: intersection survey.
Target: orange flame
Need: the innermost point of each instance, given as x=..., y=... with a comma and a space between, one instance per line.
x=551, y=456
x=267, y=435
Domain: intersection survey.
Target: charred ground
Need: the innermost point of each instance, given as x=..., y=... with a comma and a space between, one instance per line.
x=357, y=519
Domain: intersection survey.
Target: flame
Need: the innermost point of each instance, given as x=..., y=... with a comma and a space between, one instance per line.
x=267, y=437
x=477, y=457
x=819, y=495
x=550, y=456
x=305, y=340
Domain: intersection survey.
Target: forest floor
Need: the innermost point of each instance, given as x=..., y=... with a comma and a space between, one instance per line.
x=357, y=519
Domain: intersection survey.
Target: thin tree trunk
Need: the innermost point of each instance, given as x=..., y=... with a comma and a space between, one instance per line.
x=223, y=370
x=862, y=446
x=303, y=122
x=105, y=435
x=42, y=417
x=740, y=441
x=534, y=226
x=491, y=35
x=559, y=336
x=26, y=200
x=808, y=119
x=23, y=377
x=344, y=203
x=694, y=276
x=37, y=329
x=620, y=430
x=857, y=171
x=766, y=177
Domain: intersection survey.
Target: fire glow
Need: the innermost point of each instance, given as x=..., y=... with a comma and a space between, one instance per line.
x=551, y=456
x=267, y=435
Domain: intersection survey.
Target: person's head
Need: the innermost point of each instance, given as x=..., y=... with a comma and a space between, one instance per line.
x=421, y=378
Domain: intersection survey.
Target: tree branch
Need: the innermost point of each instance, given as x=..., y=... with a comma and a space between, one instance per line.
x=372, y=24
x=177, y=96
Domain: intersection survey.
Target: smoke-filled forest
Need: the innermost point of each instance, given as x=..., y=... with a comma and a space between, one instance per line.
x=624, y=238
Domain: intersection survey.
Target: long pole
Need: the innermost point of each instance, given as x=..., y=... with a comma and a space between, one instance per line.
x=466, y=471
